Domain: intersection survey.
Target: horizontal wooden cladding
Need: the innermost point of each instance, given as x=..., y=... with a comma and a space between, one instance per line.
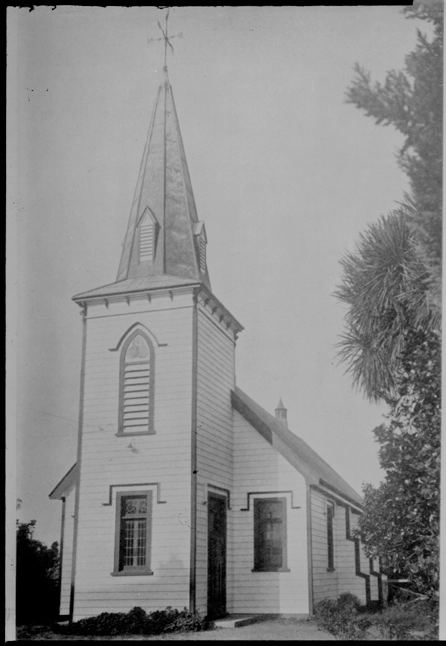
x=211, y=336
x=144, y=595
x=134, y=455
x=207, y=366
x=138, y=308
x=160, y=306
x=215, y=376
x=344, y=578
x=259, y=467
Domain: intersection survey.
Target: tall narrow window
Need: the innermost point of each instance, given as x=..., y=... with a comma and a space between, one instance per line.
x=137, y=376
x=270, y=534
x=133, y=533
x=330, y=536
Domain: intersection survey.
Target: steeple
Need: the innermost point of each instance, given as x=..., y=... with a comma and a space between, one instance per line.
x=164, y=236
x=281, y=413
x=165, y=243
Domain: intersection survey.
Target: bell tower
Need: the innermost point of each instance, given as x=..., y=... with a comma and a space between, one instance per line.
x=155, y=429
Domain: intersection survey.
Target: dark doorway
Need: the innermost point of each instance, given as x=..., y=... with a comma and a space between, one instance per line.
x=216, y=556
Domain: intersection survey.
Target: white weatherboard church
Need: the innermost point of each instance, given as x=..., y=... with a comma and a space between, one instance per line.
x=185, y=491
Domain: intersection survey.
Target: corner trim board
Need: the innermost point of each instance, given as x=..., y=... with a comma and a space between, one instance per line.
x=310, y=552
x=78, y=462
x=194, y=414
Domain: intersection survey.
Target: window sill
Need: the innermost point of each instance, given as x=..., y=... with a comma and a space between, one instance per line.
x=271, y=569
x=136, y=433
x=331, y=569
x=132, y=573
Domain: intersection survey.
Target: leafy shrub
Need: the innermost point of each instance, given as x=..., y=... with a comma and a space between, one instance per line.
x=340, y=617
x=401, y=619
x=346, y=619
x=37, y=578
x=137, y=622
x=34, y=632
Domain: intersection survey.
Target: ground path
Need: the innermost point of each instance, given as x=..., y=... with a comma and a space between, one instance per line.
x=280, y=629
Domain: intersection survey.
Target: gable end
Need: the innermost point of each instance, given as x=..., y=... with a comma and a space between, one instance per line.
x=251, y=417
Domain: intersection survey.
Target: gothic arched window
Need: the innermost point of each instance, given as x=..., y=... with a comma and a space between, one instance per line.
x=136, y=385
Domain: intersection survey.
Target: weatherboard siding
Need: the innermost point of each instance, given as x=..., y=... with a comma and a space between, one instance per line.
x=258, y=467
x=215, y=380
x=325, y=583
x=344, y=578
x=159, y=462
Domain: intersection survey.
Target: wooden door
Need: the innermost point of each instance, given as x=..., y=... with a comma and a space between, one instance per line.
x=216, y=556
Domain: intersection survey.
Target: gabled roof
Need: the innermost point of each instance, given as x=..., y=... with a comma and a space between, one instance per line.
x=69, y=478
x=293, y=448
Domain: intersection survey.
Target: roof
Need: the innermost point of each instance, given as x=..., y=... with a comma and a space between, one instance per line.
x=69, y=478
x=306, y=459
x=164, y=191
x=141, y=284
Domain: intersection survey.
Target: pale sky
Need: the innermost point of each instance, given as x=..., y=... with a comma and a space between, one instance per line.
x=285, y=175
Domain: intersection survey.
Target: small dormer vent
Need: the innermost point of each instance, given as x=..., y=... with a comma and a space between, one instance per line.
x=147, y=237
x=201, y=241
x=202, y=254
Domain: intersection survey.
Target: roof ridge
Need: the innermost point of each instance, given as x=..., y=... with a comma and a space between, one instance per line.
x=298, y=446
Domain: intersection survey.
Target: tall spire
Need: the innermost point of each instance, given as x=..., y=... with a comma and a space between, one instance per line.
x=165, y=243
x=164, y=236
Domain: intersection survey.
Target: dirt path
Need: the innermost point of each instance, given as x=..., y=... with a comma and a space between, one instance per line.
x=280, y=629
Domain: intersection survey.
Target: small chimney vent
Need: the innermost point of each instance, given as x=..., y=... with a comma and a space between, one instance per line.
x=281, y=413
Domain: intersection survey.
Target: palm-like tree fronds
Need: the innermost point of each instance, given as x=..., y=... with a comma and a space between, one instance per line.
x=384, y=285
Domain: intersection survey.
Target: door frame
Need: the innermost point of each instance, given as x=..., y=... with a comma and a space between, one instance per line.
x=223, y=497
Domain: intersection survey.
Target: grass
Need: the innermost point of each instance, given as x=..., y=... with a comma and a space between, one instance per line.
x=346, y=619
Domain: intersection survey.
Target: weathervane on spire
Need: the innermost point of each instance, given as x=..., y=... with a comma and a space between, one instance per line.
x=166, y=39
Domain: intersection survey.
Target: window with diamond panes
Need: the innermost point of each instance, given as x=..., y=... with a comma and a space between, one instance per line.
x=134, y=514
x=136, y=402
x=270, y=534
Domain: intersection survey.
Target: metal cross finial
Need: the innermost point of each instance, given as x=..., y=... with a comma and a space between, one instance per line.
x=166, y=39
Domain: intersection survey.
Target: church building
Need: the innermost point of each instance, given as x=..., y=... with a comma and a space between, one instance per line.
x=186, y=492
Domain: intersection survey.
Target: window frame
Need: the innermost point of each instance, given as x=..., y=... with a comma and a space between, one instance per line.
x=122, y=363
x=258, y=558
x=330, y=511
x=118, y=569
